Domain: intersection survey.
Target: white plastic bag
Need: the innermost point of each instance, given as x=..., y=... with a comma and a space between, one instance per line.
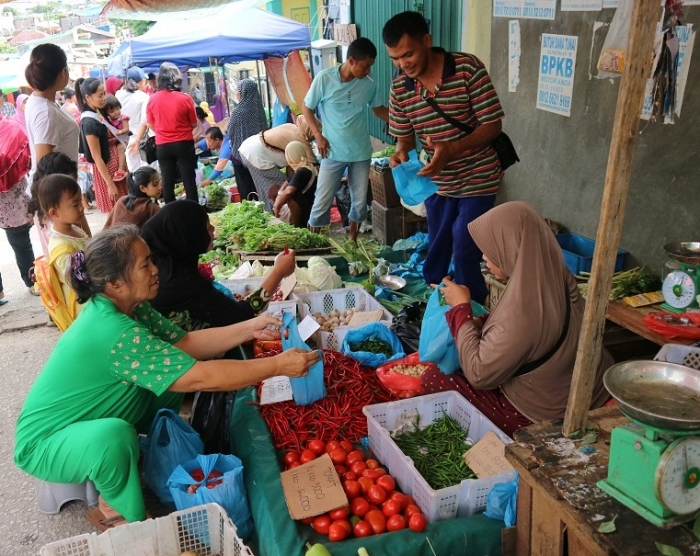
x=614, y=54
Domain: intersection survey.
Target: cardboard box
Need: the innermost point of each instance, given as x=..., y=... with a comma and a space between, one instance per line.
x=313, y=488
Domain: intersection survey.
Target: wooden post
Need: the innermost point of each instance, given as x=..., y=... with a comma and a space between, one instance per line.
x=645, y=16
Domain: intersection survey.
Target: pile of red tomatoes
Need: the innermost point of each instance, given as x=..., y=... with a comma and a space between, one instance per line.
x=375, y=506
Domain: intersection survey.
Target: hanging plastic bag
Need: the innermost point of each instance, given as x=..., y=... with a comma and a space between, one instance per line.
x=412, y=188
x=613, y=56
x=400, y=384
x=213, y=478
x=501, y=503
x=211, y=418
x=169, y=443
x=407, y=325
x=377, y=331
x=309, y=388
x=436, y=342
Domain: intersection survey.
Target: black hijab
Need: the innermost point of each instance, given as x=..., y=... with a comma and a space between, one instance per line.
x=177, y=235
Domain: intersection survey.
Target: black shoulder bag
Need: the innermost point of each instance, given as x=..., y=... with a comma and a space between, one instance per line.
x=502, y=144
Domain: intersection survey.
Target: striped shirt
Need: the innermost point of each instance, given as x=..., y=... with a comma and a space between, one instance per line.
x=466, y=93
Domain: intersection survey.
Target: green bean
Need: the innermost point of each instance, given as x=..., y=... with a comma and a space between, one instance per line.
x=437, y=452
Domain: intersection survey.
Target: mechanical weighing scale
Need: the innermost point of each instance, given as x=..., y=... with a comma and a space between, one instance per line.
x=654, y=466
x=681, y=284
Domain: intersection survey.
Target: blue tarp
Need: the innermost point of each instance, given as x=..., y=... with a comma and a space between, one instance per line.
x=234, y=35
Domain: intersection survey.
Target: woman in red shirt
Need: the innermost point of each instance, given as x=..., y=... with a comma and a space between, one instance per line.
x=170, y=113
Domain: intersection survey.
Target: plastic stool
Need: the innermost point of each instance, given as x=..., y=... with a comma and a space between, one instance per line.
x=51, y=496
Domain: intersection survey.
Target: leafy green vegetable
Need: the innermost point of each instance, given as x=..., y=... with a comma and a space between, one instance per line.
x=629, y=282
x=373, y=345
x=216, y=196
x=608, y=526
x=667, y=550
x=696, y=528
x=246, y=226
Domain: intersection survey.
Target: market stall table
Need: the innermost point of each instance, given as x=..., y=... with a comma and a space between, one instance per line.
x=631, y=318
x=278, y=535
x=560, y=506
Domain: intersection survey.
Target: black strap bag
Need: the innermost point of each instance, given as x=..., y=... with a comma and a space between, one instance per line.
x=502, y=144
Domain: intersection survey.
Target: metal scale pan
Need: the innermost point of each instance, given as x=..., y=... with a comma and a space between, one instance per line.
x=686, y=251
x=657, y=393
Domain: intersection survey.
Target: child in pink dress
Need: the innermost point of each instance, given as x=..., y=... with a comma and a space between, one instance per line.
x=119, y=121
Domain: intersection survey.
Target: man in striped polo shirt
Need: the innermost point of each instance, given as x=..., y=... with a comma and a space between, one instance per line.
x=463, y=165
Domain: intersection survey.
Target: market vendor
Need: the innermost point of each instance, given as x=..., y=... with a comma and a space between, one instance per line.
x=214, y=140
x=518, y=367
x=177, y=235
x=117, y=365
x=263, y=156
x=299, y=191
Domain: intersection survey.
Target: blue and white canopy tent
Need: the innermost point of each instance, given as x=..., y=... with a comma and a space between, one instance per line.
x=230, y=36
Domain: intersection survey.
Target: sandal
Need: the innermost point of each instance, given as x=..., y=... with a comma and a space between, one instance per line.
x=95, y=516
x=31, y=290
x=3, y=301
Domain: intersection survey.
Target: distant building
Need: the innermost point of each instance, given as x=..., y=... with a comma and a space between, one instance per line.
x=26, y=36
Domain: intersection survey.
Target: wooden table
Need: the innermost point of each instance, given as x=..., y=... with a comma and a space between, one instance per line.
x=631, y=318
x=559, y=505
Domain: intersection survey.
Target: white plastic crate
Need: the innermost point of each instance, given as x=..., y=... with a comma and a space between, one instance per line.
x=246, y=286
x=205, y=529
x=326, y=301
x=466, y=498
x=680, y=354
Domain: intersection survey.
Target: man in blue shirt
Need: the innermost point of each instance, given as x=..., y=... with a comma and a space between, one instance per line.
x=215, y=140
x=343, y=94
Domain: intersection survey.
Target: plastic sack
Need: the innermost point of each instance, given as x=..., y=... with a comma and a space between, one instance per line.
x=399, y=384
x=436, y=342
x=501, y=502
x=407, y=325
x=227, y=490
x=211, y=417
x=412, y=188
x=169, y=443
x=310, y=388
x=685, y=326
x=613, y=56
x=372, y=330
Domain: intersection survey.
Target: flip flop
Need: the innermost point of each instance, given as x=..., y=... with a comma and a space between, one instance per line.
x=98, y=519
x=31, y=290
x=3, y=301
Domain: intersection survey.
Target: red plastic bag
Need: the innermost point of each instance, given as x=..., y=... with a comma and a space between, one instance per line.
x=672, y=326
x=15, y=158
x=399, y=384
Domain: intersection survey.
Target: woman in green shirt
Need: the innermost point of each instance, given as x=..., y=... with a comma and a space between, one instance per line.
x=117, y=365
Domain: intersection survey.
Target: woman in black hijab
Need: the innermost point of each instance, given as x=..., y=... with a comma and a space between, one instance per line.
x=247, y=119
x=177, y=235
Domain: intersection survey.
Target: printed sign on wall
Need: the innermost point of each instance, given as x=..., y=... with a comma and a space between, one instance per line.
x=581, y=5
x=507, y=8
x=528, y=9
x=513, y=55
x=556, y=76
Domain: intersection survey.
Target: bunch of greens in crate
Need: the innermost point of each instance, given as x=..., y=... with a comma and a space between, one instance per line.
x=629, y=282
x=246, y=226
x=437, y=451
x=216, y=196
x=221, y=262
x=361, y=255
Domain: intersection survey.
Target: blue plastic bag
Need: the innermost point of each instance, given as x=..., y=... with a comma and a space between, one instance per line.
x=310, y=388
x=501, y=502
x=436, y=343
x=372, y=330
x=169, y=443
x=230, y=494
x=412, y=188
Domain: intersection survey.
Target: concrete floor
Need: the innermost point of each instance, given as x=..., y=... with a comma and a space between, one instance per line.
x=26, y=340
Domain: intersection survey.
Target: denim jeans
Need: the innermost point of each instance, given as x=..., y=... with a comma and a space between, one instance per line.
x=18, y=238
x=329, y=177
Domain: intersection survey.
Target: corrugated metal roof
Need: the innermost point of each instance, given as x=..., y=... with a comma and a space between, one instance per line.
x=370, y=16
